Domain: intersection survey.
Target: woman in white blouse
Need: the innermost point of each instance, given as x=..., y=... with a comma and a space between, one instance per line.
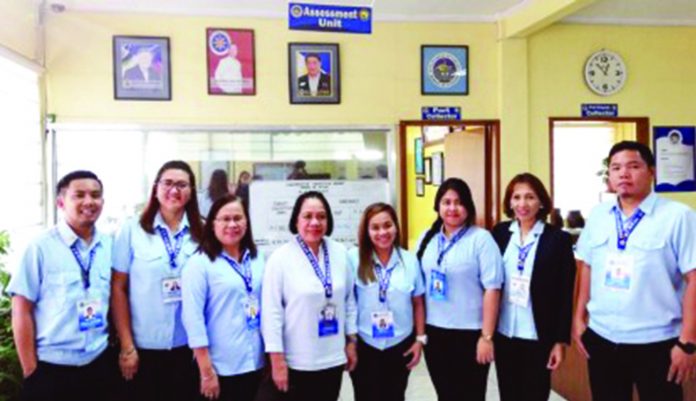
x=309, y=319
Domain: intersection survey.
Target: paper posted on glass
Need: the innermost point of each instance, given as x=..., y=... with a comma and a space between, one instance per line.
x=674, y=157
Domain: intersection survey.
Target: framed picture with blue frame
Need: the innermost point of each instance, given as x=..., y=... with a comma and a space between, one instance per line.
x=444, y=70
x=314, y=73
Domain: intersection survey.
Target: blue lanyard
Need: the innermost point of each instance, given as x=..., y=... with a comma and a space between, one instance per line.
x=325, y=278
x=441, y=243
x=624, y=230
x=522, y=255
x=244, y=270
x=84, y=269
x=384, y=276
x=173, y=252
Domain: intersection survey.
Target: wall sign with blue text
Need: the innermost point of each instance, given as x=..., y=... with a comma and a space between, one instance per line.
x=320, y=17
x=674, y=156
x=600, y=110
x=441, y=113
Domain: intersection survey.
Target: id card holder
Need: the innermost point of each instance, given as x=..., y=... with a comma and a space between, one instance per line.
x=90, y=314
x=619, y=271
x=171, y=289
x=328, y=322
x=252, y=313
x=383, y=324
x=438, y=285
x=519, y=291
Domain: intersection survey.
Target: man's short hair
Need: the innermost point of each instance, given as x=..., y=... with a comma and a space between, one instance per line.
x=64, y=182
x=315, y=55
x=644, y=151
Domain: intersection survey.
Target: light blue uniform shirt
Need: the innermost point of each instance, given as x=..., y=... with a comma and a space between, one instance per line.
x=214, y=316
x=51, y=278
x=517, y=321
x=406, y=283
x=472, y=266
x=663, y=246
x=144, y=257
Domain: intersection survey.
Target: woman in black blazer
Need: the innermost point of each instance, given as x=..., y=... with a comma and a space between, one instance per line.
x=535, y=309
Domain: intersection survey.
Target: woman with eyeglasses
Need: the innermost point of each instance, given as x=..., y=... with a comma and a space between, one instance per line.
x=221, y=305
x=148, y=256
x=309, y=317
x=391, y=314
x=463, y=276
x=536, y=310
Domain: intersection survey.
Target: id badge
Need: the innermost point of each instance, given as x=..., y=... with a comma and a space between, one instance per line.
x=619, y=269
x=90, y=314
x=171, y=289
x=328, y=322
x=438, y=285
x=519, y=291
x=252, y=312
x=382, y=324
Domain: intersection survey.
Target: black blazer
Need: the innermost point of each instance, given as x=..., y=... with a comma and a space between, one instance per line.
x=552, y=283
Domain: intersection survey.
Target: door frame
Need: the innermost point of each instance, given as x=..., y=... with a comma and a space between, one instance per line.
x=642, y=134
x=492, y=147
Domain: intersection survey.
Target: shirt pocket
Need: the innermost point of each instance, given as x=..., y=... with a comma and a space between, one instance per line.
x=648, y=248
x=598, y=246
x=61, y=290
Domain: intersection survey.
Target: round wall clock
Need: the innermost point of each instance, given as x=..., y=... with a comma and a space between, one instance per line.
x=605, y=72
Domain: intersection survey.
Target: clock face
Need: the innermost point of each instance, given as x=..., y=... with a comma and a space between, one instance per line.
x=605, y=72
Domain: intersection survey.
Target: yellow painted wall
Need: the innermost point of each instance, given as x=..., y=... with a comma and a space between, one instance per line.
x=380, y=73
x=661, y=85
x=18, y=20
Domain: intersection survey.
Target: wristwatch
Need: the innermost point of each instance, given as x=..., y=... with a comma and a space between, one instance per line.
x=423, y=339
x=687, y=347
x=487, y=337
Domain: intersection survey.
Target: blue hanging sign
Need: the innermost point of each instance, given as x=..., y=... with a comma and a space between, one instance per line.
x=319, y=17
x=600, y=110
x=674, y=158
x=441, y=113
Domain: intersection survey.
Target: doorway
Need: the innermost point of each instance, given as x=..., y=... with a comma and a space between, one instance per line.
x=468, y=149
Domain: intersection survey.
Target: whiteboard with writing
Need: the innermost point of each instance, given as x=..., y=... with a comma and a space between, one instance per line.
x=271, y=204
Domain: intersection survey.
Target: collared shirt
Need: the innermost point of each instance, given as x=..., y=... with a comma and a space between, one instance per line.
x=50, y=277
x=663, y=249
x=472, y=266
x=214, y=296
x=292, y=299
x=517, y=321
x=406, y=282
x=144, y=257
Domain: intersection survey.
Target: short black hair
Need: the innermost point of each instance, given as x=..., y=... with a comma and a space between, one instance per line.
x=64, y=182
x=298, y=205
x=645, y=152
x=315, y=55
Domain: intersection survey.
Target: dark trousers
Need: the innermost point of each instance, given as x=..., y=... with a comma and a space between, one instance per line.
x=614, y=368
x=381, y=375
x=320, y=385
x=241, y=387
x=51, y=382
x=166, y=375
x=521, y=369
x=451, y=359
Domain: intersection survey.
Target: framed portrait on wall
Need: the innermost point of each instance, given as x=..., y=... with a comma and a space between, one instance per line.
x=418, y=152
x=420, y=186
x=444, y=70
x=438, y=168
x=231, y=61
x=314, y=73
x=427, y=166
x=141, y=68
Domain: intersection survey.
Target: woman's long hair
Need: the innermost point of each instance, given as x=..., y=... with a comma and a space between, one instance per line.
x=462, y=189
x=366, y=248
x=218, y=186
x=147, y=218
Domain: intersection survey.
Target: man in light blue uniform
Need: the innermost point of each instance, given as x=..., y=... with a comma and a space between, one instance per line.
x=60, y=300
x=637, y=286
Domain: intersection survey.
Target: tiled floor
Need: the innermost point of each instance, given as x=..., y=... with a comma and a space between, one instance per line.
x=421, y=389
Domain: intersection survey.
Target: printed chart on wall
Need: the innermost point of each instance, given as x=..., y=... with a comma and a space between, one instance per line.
x=674, y=153
x=272, y=201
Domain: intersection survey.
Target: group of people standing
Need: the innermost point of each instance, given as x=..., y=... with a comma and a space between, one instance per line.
x=199, y=312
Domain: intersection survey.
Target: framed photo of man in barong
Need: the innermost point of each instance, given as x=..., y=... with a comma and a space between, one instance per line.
x=231, y=61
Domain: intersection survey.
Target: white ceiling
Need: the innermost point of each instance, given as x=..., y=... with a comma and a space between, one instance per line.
x=658, y=12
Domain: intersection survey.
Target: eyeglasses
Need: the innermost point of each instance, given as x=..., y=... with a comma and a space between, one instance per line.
x=169, y=184
x=225, y=220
